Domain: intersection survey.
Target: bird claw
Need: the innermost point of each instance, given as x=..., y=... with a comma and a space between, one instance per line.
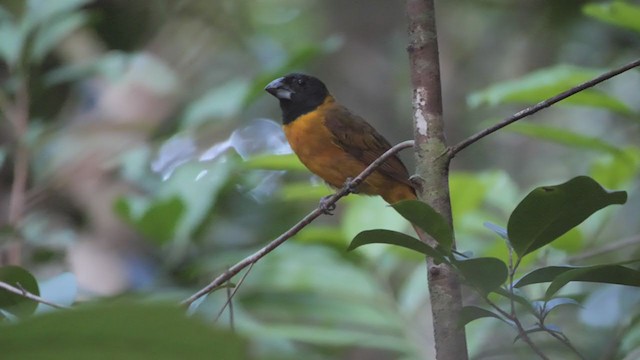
x=327, y=208
x=349, y=185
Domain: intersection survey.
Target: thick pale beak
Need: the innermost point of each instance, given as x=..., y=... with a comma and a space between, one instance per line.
x=279, y=89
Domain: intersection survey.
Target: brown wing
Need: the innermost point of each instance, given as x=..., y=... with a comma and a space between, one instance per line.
x=359, y=139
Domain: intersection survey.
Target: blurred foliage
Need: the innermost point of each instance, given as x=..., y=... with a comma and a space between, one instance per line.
x=153, y=166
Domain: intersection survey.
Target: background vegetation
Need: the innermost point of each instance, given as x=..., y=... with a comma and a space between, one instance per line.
x=137, y=162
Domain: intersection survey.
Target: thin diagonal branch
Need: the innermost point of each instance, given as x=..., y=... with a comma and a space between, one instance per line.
x=24, y=293
x=232, y=271
x=541, y=105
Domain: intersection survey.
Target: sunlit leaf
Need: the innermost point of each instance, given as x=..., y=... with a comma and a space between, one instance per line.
x=119, y=331
x=564, y=137
x=485, y=274
x=550, y=211
x=21, y=279
x=429, y=220
x=393, y=238
x=617, y=13
x=547, y=82
x=571, y=241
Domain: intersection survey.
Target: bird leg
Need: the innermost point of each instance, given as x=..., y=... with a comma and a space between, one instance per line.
x=352, y=189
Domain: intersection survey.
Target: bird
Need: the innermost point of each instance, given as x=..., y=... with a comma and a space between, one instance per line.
x=333, y=142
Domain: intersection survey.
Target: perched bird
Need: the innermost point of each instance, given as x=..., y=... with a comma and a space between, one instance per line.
x=334, y=143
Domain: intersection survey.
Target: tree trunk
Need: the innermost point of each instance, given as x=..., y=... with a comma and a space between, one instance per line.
x=433, y=170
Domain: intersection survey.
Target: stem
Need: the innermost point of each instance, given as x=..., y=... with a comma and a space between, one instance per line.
x=433, y=172
x=28, y=295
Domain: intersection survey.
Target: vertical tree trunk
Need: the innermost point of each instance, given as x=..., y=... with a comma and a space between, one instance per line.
x=433, y=170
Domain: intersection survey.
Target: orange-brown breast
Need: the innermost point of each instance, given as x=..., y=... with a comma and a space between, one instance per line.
x=322, y=152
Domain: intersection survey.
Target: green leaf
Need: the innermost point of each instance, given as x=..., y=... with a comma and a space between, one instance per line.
x=426, y=218
x=39, y=11
x=564, y=137
x=485, y=273
x=471, y=313
x=561, y=275
x=547, y=82
x=394, y=238
x=617, y=13
x=158, y=222
x=61, y=290
x=221, y=103
x=550, y=211
x=119, y=331
x=275, y=162
x=21, y=279
x=518, y=297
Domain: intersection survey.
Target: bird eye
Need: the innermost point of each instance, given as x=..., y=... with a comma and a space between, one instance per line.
x=300, y=82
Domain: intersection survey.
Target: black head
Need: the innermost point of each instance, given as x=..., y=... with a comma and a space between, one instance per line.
x=298, y=94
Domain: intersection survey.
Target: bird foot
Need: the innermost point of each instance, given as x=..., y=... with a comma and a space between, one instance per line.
x=348, y=184
x=327, y=208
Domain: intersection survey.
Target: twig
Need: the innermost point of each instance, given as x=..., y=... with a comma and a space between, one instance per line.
x=563, y=339
x=541, y=105
x=230, y=296
x=521, y=331
x=222, y=278
x=28, y=295
x=617, y=245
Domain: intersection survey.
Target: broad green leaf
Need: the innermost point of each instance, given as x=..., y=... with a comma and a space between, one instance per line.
x=550, y=211
x=561, y=275
x=393, y=238
x=275, y=162
x=159, y=221
x=564, y=137
x=608, y=274
x=547, y=82
x=499, y=230
x=485, y=274
x=617, y=13
x=118, y=331
x=21, y=279
x=471, y=313
x=61, y=290
x=426, y=218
